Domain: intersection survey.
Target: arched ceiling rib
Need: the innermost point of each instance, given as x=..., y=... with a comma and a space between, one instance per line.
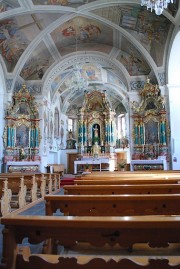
x=41, y=39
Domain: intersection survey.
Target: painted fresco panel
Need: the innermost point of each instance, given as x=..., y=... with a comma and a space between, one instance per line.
x=6, y=6
x=111, y=78
x=82, y=34
x=17, y=33
x=150, y=31
x=91, y=72
x=70, y=3
x=132, y=60
x=37, y=64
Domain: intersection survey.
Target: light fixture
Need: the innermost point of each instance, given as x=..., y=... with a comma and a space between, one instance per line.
x=79, y=82
x=157, y=5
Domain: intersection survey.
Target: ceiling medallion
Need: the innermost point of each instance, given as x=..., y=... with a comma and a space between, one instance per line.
x=157, y=5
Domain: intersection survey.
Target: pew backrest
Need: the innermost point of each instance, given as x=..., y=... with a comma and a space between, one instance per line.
x=122, y=189
x=113, y=205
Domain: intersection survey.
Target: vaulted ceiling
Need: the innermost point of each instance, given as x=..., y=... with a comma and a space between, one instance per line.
x=66, y=47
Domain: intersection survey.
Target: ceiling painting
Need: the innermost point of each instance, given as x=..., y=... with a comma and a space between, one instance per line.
x=37, y=64
x=17, y=33
x=82, y=34
x=112, y=13
x=12, y=42
x=4, y=6
x=91, y=72
x=132, y=60
x=113, y=79
x=150, y=31
x=57, y=81
x=70, y=3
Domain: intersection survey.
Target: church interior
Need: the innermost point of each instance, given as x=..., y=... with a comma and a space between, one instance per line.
x=89, y=126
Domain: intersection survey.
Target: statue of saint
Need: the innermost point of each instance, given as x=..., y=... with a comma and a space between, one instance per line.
x=96, y=149
x=96, y=134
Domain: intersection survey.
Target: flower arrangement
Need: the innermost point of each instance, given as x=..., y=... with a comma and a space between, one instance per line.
x=122, y=164
x=149, y=155
x=86, y=166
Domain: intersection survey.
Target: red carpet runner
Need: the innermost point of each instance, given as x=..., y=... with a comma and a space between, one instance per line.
x=67, y=181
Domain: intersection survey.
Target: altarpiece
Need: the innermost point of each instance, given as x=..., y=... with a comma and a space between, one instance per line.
x=22, y=133
x=150, y=125
x=96, y=125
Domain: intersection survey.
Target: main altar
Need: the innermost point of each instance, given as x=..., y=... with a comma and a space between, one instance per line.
x=96, y=130
x=22, y=134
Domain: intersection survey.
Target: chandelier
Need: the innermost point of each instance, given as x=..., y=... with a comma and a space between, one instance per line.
x=157, y=5
x=78, y=81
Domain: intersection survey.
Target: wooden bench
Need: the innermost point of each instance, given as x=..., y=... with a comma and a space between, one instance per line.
x=24, y=188
x=125, y=181
x=156, y=231
x=5, y=197
x=122, y=189
x=113, y=205
x=130, y=176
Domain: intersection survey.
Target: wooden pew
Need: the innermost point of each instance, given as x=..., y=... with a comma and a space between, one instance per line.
x=156, y=231
x=122, y=189
x=18, y=189
x=125, y=181
x=24, y=188
x=29, y=182
x=129, y=176
x=5, y=197
x=113, y=205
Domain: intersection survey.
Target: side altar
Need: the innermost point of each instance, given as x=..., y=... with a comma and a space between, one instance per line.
x=150, y=130
x=22, y=134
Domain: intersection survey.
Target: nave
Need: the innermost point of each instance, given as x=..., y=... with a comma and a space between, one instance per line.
x=96, y=230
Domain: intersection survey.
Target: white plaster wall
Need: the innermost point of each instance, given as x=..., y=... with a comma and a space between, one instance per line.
x=2, y=114
x=174, y=101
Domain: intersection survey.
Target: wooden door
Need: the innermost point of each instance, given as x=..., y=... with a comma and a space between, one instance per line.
x=71, y=158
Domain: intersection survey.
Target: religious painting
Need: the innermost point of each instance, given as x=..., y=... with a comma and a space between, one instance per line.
x=12, y=43
x=56, y=82
x=56, y=123
x=150, y=31
x=36, y=66
x=23, y=109
x=6, y=6
x=151, y=132
x=22, y=136
x=112, y=78
x=71, y=3
x=91, y=72
x=82, y=34
x=132, y=59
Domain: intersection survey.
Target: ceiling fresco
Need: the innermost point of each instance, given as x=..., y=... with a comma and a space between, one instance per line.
x=132, y=59
x=37, y=64
x=8, y=5
x=18, y=32
x=71, y=3
x=109, y=45
x=81, y=34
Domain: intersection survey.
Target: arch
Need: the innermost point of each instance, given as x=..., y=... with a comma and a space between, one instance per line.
x=174, y=60
x=2, y=101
